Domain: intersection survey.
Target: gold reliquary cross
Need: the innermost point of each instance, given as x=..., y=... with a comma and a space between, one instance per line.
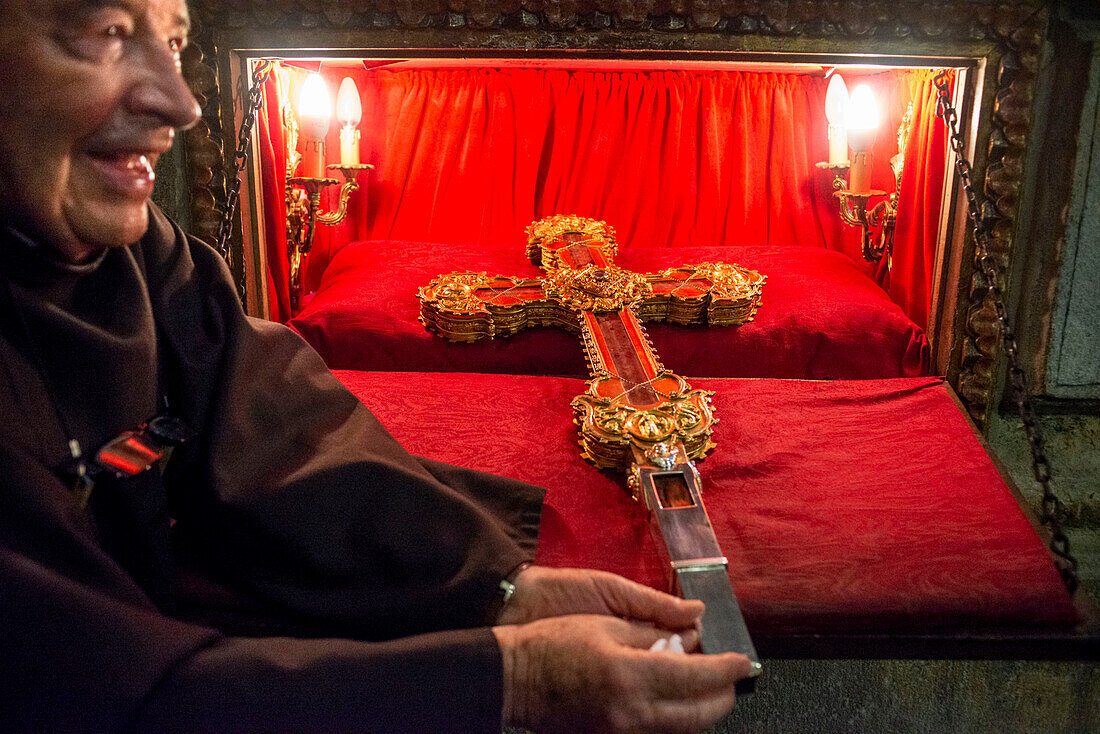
x=635, y=415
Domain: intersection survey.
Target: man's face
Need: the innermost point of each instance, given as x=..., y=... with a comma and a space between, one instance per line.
x=90, y=95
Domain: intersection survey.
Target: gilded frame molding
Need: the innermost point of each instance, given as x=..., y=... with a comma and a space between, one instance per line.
x=1005, y=37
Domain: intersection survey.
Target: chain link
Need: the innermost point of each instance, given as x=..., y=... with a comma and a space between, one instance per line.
x=244, y=142
x=1052, y=509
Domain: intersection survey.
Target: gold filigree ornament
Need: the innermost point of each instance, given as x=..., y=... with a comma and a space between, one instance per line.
x=449, y=306
x=608, y=427
x=545, y=232
x=455, y=292
x=730, y=298
x=650, y=425
x=469, y=306
x=598, y=289
x=731, y=282
x=554, y=227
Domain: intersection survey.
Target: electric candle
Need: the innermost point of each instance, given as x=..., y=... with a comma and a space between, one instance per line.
x=349, y=111
x=862, y=123
x=836, y=110
x=314, y=114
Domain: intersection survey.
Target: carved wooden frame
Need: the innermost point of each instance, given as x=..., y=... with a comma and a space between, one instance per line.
x=1004, y=37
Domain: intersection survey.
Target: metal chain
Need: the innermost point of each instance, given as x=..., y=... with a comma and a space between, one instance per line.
x=1052, y=509
x=244, y=142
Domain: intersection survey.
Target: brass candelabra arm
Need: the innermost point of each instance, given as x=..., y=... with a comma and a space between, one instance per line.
x=303, y=214
x=301, y=223
x=853, y=206
x=877, y=222
x=341, y=212
x=878, y=235
x=350, y=186
x=840, y=174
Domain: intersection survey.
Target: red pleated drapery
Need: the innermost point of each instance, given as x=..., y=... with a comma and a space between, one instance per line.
x=670, y=158
x=909, y=280
x=271, y=161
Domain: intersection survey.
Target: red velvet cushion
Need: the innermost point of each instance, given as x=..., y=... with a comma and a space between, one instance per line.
x=820, y=318
x=848, y=505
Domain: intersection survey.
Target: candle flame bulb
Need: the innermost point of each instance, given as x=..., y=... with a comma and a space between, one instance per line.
x=836, y=101
x=349, y=109
x=314, y=107
x=314, y=115
x=862, y=119
x=836, y=110
x=862, y=126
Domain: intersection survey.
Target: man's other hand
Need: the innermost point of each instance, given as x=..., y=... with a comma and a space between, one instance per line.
x=597, y=673
x=543, y=592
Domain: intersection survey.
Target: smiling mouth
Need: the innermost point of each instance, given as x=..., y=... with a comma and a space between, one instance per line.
x=128, y=173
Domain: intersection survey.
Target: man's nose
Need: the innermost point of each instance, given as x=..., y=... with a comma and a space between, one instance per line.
x=160, y=90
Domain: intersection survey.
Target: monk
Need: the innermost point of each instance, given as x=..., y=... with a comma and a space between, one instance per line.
x=200, y=529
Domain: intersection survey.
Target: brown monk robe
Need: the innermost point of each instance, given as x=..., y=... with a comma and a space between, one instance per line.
x=291, y=514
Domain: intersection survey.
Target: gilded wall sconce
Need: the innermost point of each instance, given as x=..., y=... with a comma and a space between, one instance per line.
x=853, y=122
x=303, y=193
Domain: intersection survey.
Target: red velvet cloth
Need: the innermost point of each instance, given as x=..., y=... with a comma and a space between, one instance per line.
x=671, y=158
x=844, y=505
x=820, y=317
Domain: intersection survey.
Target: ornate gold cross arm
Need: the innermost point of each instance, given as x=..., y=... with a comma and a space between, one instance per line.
x=466, y=307
x=718, y=294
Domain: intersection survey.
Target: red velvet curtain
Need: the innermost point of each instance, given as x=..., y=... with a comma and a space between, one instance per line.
x=669, y=158
x=909, y=280
x=271, y=160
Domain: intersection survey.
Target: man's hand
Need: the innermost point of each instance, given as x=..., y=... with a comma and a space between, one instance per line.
x=550, y=592
x=597, y=673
